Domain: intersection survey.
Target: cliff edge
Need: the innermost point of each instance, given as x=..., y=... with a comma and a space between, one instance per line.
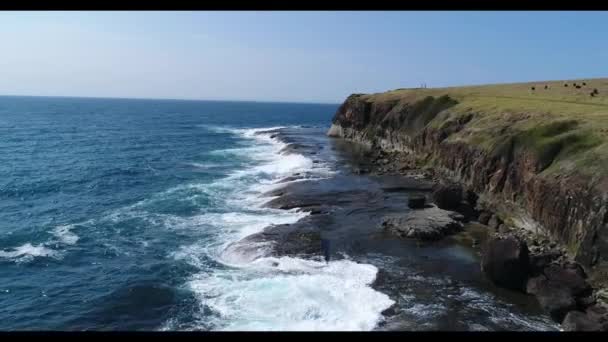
x=537, y=153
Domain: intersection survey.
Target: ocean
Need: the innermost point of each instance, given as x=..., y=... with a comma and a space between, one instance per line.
x=118, y=214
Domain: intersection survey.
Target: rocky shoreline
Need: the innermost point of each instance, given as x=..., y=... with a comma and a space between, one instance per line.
x=384, y=204
x=517, y=259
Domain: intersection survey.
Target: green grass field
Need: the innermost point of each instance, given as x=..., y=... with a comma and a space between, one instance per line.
x=565, y=127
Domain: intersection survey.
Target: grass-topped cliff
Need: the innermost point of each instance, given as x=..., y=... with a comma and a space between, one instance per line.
x=565, y=126
x=544, y=149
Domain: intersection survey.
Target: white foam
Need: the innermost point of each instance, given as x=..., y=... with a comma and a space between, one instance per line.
x=65, y=235
x=205, y=166
x=294, y=295
x=27, y=252
x=257, y=292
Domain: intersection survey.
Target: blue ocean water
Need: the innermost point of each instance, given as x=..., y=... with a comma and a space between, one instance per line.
x=114, y=214
x=120, y=214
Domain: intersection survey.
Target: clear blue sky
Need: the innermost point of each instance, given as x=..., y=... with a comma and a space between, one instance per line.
x=290, y=56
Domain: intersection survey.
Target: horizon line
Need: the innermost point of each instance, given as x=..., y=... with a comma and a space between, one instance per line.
x=168, y=99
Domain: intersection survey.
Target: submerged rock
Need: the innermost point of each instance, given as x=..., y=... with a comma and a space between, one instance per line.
x=425, y=224
x=505, y=261
x=416, y=202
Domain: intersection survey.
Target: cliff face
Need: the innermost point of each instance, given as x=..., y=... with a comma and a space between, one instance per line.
x=523, y=165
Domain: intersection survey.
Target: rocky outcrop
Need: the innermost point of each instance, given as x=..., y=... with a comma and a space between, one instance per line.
x=505, y=260
x=416, y=202
x=571, y=209
x=579, y=321
x=510, y=170
x=425, y=224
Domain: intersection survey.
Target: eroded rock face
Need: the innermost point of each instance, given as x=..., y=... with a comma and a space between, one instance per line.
x=425, y=224
x=571, y=208
x=579, y=321
x=505, y=261
x=571, y=279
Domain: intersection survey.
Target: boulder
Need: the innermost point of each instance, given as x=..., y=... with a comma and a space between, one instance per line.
x=494, y=222
x=560, y=290
x=579, y=321
x=424, y=224
x=539, y=261
x=505, y=261
x=598, y=313
x=467, y=210
x=585, y=302
x=448, y=197
x=535, y=284
x=556, y=301
x=503, y=229
x=471, y=198
x=484, y=217
x=572, y=279
x=416, y=202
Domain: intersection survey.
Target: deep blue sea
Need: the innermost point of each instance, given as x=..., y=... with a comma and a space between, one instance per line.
x=114, y=214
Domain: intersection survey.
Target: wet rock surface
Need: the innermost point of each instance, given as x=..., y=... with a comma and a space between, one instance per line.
x=427, y=224
x=505, y=261
x=436, y=285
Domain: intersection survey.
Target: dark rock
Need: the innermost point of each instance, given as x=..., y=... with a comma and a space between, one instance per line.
x=471, y=198
x=391, y=311
x=506, y=262
x=569, y=278
x=560, y=290
x=534, y=285
x=597, y=313
x=584, y=302
x=494, y=222
x=416, y=202
x=424, y=224
x=360, y=171
x=579, y=321
x=467, y=210
x=484, y=217
x=503, y=229
x=448, y=197
x=538, y=262
x=576, y=268
x=556, y=301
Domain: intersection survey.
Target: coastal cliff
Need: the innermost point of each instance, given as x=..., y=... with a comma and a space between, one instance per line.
x=535, y=153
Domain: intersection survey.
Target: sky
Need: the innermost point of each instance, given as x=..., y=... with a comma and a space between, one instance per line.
x=290, y=56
